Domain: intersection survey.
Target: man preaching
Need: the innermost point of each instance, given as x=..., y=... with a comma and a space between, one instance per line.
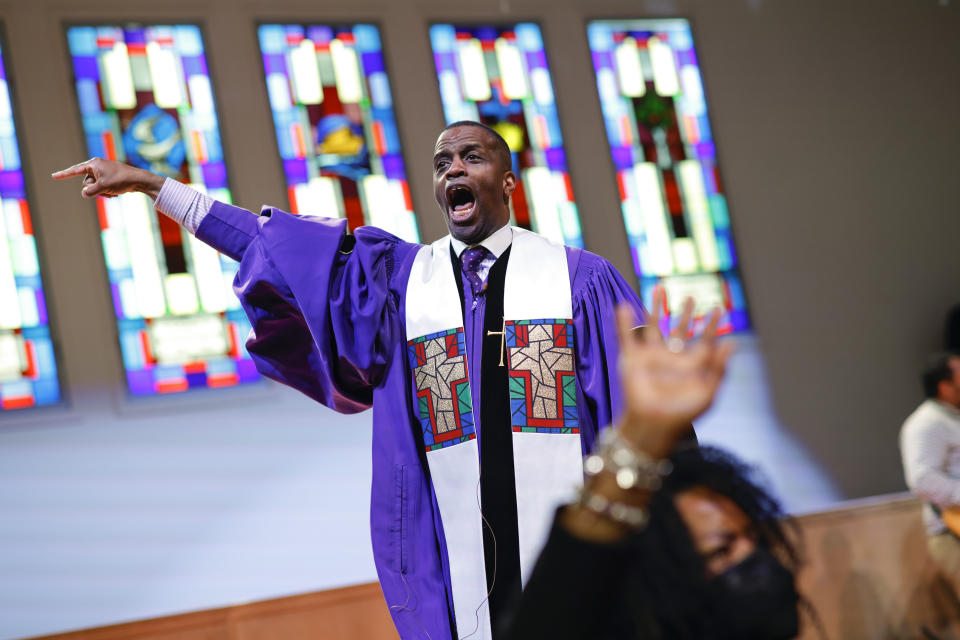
x=488, y=358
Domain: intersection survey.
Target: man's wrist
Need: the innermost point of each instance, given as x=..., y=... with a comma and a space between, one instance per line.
x=150, y=184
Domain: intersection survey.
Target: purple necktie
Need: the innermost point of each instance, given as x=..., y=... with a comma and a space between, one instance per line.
x=470, y=261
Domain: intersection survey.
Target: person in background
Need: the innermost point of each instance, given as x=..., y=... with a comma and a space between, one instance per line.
x=659, y=545
x=930, y=449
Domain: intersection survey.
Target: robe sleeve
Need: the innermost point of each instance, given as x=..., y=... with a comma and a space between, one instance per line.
x=324, y=315
x=598, y=288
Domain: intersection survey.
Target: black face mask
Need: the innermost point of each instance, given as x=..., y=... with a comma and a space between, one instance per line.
x=754, y=600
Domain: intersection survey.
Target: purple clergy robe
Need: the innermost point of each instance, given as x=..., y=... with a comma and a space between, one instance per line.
x=332, y=324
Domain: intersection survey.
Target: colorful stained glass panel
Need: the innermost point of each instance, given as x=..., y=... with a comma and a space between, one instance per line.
x=672, y=199
x=28, y=369
x=499, y=76
x=336, y=131
x=145, y=98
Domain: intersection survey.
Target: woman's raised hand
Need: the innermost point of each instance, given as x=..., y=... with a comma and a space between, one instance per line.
x=667, y=382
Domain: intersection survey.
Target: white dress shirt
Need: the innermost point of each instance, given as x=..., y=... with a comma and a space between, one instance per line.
x=930, y=448
x=496, y=243
x=185, y=205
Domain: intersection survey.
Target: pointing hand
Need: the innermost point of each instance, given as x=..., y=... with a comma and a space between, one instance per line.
x=108, y=179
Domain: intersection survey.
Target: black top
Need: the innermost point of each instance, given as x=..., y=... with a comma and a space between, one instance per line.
x=575, y=591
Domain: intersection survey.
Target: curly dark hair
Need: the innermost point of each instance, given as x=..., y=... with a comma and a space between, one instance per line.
x=666, y=586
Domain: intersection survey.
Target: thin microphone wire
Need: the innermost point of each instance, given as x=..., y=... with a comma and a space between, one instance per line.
x=404, y=607
x=493, y=582
x=476, y=613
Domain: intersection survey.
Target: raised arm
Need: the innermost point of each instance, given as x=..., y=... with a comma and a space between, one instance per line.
x=666, y=384
x=109, y=179
x=229, y=229
x=322, y=308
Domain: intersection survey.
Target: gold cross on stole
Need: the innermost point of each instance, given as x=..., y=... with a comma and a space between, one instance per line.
x=503, y=339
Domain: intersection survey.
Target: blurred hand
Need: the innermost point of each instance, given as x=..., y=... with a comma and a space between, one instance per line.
x=667, y=383
x=107, y=178
x=951, y=518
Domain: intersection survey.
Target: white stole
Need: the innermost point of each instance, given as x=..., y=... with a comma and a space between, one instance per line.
x=548, y=466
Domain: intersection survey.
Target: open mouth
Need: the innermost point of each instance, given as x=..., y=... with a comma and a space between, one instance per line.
x=461, y=201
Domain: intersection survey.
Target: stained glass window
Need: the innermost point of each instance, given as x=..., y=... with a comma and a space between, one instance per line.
x=145, y=97
x=499, y=76
x=28, y=370
x=671, y=195
x=335, y=127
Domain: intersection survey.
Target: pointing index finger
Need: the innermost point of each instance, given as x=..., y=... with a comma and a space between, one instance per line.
x=72, y=172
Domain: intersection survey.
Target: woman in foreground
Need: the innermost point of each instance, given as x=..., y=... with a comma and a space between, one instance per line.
x=681, y=546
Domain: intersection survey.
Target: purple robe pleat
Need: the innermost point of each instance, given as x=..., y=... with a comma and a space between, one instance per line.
x=331, y=325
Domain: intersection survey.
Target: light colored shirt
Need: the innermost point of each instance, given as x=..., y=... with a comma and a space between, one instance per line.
x=185, y=205
x=930, y=448
x=496, y=243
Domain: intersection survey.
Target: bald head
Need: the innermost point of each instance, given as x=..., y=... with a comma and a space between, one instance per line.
x=498, y=143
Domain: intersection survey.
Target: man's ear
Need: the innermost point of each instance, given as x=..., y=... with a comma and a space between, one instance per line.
x=944, y=389
x=509, y=184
